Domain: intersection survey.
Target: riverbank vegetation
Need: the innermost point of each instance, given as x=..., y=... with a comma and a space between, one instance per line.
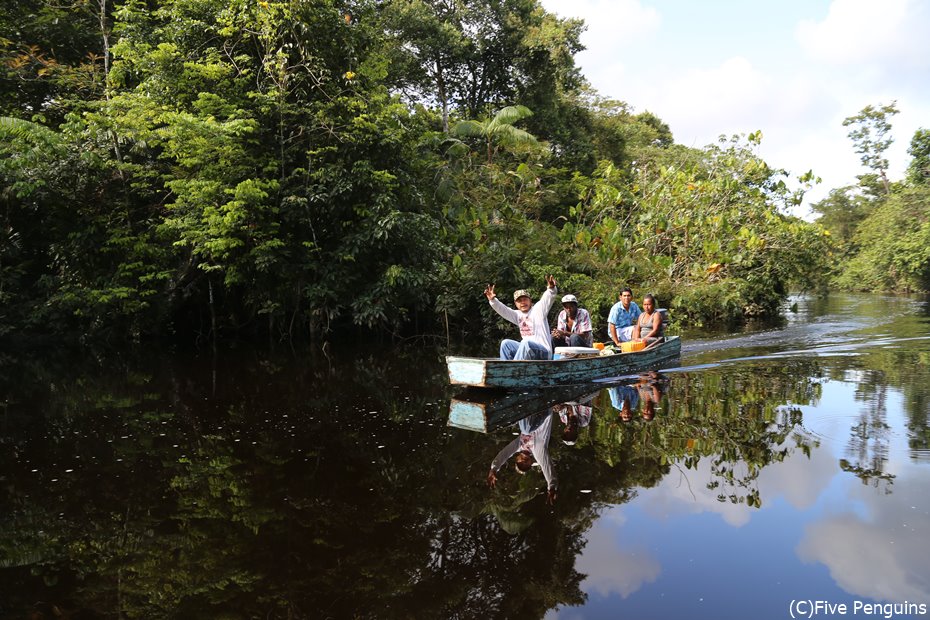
x=881, y=227
x=213, y=169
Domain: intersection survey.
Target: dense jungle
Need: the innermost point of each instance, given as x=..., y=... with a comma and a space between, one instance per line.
x=204, y=171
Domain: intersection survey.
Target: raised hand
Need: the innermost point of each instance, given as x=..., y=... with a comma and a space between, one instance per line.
x=550, y=281
x=489, y=292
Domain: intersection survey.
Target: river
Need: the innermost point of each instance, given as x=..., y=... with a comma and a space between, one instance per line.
x=766, y=474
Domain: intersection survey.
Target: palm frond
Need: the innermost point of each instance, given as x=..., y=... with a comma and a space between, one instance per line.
x=510, y=115
x=20, y=129
x=468, y=129
x=455, y=148
x=513, y=136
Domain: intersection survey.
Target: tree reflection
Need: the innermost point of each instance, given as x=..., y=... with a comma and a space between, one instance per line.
x=740, y=421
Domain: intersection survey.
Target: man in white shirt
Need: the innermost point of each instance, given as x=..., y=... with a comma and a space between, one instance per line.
x=532, y=319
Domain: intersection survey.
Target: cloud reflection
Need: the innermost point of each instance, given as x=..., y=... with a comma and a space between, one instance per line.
x=798, y=480
x=612, y=567
x=882, y=555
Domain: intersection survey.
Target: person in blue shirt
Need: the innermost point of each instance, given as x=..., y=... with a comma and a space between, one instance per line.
x=622, y=318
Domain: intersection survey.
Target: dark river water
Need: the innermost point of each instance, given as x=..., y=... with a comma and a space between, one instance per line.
x=776, y=473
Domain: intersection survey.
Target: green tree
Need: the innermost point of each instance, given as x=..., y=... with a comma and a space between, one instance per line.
x=841, y=212
x=918, y=171
x=283, y=168
x=894, y=243
x=704, y=229
x=870, y=129
x=51, y=57
x=286, y=164
x=469, y=58
x=621, y=136
x=472, y=56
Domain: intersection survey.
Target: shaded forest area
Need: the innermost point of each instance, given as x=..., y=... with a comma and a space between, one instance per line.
x=204, y=169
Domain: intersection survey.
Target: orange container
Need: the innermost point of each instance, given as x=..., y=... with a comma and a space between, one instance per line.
x=633, y=345
x=599, y=346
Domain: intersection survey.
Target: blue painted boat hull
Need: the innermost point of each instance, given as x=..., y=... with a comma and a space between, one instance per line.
x=516, y=374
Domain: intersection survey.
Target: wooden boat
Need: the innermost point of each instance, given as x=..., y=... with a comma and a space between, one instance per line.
x=516, y=374
x=486, y=409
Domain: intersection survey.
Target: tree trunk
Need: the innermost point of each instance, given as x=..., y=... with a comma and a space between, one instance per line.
x=212, y=315
x=443, y=99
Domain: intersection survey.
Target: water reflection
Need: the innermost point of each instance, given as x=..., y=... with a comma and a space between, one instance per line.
x=574, y=416
x=722, y=429
x=880, y=553
x=274, y=487
x=647, y=390
x=530, y=448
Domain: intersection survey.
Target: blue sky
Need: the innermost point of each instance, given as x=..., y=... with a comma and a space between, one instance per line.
x=793, y=69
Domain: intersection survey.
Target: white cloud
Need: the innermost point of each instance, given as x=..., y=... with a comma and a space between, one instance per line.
x=796, y=84
x=862, y=32
x=704, y=103
x=686, y=492
x=614, y=29
x=824, y=150
x=611, y=24
x=800, y=480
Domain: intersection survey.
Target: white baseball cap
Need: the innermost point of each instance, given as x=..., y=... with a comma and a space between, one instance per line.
x=569, y=299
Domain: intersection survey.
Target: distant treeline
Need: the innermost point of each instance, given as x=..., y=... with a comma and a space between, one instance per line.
x=880, y=227
x=294, y=169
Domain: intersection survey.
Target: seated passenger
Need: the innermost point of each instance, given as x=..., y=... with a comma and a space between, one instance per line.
x=573, y=328
x=622, y=318
x=648, y=326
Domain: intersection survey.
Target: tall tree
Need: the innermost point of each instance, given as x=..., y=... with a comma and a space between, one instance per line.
x=870, y=129
x=469, y=57
x=52, y=56
x=894, y=246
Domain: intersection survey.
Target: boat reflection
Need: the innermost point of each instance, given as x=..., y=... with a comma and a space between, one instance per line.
x=484, y=410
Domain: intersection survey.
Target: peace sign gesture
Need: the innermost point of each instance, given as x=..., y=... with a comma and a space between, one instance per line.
x=489, y=292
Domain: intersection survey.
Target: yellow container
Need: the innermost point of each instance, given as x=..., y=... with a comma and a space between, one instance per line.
x=633, y=345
